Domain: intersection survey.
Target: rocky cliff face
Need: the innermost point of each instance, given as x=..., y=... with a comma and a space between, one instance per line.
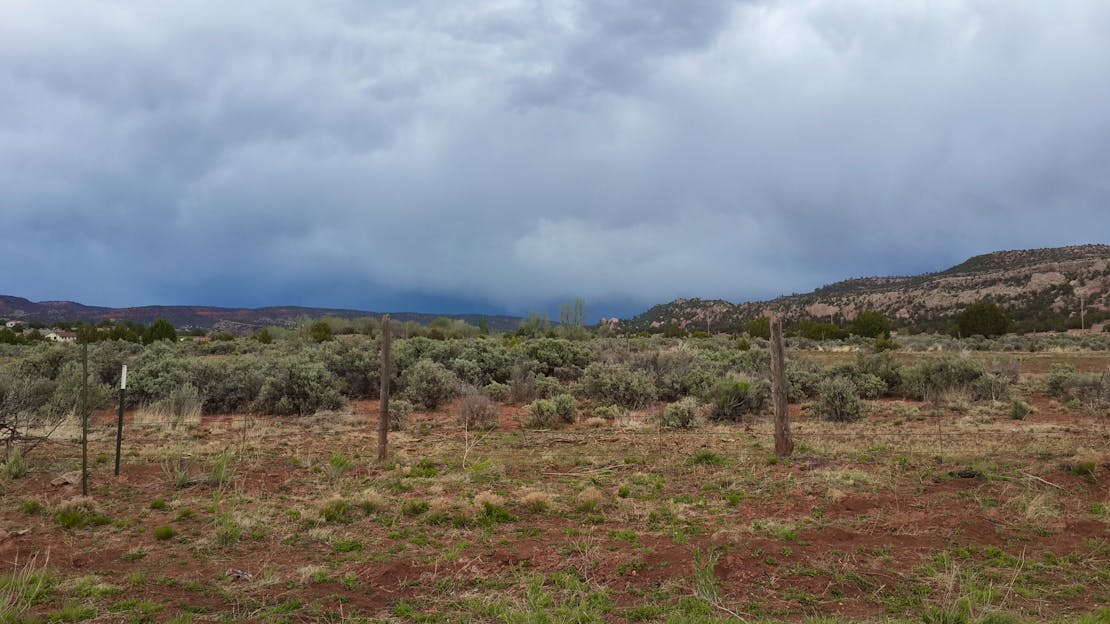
x=1031, y=285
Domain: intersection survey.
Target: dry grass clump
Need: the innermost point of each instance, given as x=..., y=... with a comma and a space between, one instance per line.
x=590, y=499
x=488, y=498
x=310, y=573
x=336, y=509
x=370, y=501
x=445, y=510
x=477, y=411
x=536, y=501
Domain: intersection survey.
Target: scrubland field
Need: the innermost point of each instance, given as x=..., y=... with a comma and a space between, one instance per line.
x=562, y=480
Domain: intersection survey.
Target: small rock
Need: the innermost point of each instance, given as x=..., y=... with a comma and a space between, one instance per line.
x=69, y=478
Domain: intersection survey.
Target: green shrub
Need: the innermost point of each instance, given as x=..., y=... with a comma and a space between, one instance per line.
x=759, y=327
x=467, y=371
x=546, y=387
x=1092, y=389
x=869, y=386
x=566, y=407
x=298, y=385
x=802, y=379
x=15, y=466
x=682, y=414
x=320, y=331
x=884, y=344
x=497, y=391
x=522, y=383
x=882, y=365
x=934, y=378
x=79, y=513
x=871, y=324
x=618, y=384
x=337, y=510
x=706, y=457
x=839, y=400
x=555, y=353
x=228, y=385
x=356, y=363
x=542, y=414
x=1019, y=409
x=164, y=533
x=477, y=411
x=731, y=399
x=983, y=319
x=430, y=384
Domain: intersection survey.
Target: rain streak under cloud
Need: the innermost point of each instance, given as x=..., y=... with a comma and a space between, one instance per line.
x=506, y=156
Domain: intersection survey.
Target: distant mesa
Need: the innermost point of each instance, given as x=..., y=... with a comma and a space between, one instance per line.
x=231, y=320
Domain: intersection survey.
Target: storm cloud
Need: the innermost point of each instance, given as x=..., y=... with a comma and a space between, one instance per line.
x=505, y=155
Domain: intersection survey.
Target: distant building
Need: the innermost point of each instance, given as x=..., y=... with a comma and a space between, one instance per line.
x=57, y=335
x=13, y=324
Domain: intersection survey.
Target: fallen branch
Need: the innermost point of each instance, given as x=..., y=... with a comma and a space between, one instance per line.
x=1036, y=478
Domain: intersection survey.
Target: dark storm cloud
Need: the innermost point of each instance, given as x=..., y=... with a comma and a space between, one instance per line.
x=510, y=154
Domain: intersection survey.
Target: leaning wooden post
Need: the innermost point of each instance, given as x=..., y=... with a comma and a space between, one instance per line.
x=383, y=420
x=784, y=442
x=84, y=418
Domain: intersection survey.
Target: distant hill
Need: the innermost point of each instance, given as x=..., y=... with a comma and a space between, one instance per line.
x=1039, y=288
x=234, y=320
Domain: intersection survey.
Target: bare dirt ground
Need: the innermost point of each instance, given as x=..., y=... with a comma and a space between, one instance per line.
x=954, y=515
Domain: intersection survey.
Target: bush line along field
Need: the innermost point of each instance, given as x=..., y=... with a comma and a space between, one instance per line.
x=581, y=479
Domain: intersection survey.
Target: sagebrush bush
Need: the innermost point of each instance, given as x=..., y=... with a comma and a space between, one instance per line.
x=682, y=414
x=802, y=378
x=356, y=363
x=882, y=365
x=1091, y=389
x=547, y=387
x=566, y=407
x=522, y=382
x=477, y=411
x=934, y=378
x=542, y=414
x=552, y=354
x=617, y=384
x=300, y=386
x=839, y=400
x=497, y=391
x=869, y=386
x=731, y=399
x=468, y=371
x=228, y=385
x=430, y=384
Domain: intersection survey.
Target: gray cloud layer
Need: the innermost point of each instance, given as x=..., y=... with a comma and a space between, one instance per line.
x=507, y=154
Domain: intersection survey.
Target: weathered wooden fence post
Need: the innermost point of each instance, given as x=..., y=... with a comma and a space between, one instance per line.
x=784, y=442
x=383, y=420
x=84, y=418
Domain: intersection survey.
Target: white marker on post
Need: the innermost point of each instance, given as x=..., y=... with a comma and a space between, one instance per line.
x=123, y=378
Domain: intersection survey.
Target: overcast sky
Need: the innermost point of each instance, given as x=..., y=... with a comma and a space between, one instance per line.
x=507, y=155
